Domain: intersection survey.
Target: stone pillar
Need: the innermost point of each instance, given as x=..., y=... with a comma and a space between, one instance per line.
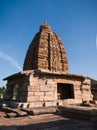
x=9, y=92
x=86, y=90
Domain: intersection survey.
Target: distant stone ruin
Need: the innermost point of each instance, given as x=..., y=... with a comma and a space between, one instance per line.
x=45, y=80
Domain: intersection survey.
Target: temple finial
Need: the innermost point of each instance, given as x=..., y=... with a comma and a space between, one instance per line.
x=45, y=22
x=45, y=26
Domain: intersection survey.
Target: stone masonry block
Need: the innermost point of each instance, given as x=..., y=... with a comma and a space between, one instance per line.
x=87, y=81
x=33, y=79
x=78, y=96
x=39, y=93
x=34, y=83
x=49, y=94
x=35, y=104
x=55, y=96
x=33, y=88
x=31, y=94
x=33, y=98
x=60, y=103
x=86, y=97
x=86, y=92
x=77, y=92
x=41, y=98
x=47, y=104
x=77, y=82
x=46, y=88
x=50, y=82
x=25, y=105
x=86, y=87
x=49, y=98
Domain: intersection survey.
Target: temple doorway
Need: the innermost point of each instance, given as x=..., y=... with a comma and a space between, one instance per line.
x=65, y=91
x=15, y=92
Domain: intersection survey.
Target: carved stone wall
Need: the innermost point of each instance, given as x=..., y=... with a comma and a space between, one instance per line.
x=45, y=80
x=46, y=51
x=40, y=88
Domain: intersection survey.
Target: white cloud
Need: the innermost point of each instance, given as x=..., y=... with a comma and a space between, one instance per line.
x=8, y=58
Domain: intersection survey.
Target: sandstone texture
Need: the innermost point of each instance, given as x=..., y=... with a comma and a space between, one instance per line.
x=45, y=80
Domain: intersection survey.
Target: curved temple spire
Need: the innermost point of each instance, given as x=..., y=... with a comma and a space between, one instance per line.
x=46, y=51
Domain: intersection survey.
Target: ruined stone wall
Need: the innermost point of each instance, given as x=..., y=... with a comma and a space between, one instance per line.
x=42, y=92
x=43, y=89
x=82, y=89
x=22, y=82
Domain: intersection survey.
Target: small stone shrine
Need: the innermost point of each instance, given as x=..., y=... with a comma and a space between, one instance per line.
x=45, y=80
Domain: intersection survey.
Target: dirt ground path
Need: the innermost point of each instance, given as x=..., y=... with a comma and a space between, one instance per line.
x=46, y=122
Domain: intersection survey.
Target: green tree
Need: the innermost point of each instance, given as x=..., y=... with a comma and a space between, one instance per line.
x=93, y=81
x=2, y=90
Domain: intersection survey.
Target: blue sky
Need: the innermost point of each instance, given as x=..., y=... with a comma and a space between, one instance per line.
x=75, y=21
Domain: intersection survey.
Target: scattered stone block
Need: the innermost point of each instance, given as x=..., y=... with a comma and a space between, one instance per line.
x=43, y=110
x=12, y=115
x=20, y=112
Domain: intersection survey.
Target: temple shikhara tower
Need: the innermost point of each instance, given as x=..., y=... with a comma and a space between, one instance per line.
x=46, y=51
x=45, y=79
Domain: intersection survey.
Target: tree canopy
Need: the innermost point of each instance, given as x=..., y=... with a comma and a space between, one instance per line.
x=2, y=90
x=93, y=81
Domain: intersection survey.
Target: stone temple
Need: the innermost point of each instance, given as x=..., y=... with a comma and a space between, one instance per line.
x=45, y=80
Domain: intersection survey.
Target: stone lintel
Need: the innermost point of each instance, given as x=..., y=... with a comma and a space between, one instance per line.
x=44, y=71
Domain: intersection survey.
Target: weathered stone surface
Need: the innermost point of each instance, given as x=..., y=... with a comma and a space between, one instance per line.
x=34, y=88
x=50, y=50
x=23, y=105
x=86, y=96
x=35, y=104
x=41, y=98
x=45, y=76
x=33, y=98
x=71, y=101
x=49, y=94
x=49, y=98
x=31, y=94
x=47, y=104
x=20, y=112
x=11, y=115
x=87, y=81
x=86, y=87
x=47, y=88
x=39, y=93
x=43, y=110
x=59, y=103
